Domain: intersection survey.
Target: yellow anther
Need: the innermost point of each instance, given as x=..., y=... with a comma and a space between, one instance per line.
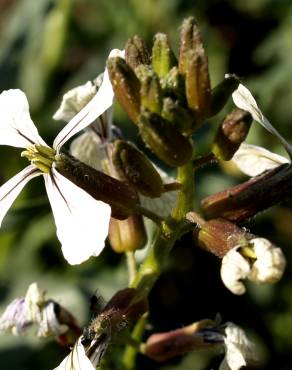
x=248, y=252
x=41, y=156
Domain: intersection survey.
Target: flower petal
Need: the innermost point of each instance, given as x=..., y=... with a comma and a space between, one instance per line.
x=234, y=268
x=97, y=105
x=82, y=222
x=10, y=190
x=253, y=160
x=16, y=126
x=243, y=99
x=76, y=360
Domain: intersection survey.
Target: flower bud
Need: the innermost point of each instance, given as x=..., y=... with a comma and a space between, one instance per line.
x=136, y=52
x=173, y=85
x=164, y=139
x=163, y=58
x=245, y=200
x=133, y=166
x=218, y=236
x=231, y=133
x=164, y=346
x=221, y=93
x=179, y=116
x=198, y=91
x=190, y=39
x=127, y=235
x=151, y=96
x=126, y=86
x=120, y=196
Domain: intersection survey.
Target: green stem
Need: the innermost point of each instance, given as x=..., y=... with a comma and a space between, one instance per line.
x=132, y=266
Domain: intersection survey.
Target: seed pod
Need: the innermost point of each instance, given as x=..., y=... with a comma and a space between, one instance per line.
x=190, y=40
x=126, y=86
x=133, y=166
x=136, y=52
x=231, y=133
x=163, y=58
x=151, y=95
x=120, y=196
x=164, y=139
x=127, y=235
x=221, y=93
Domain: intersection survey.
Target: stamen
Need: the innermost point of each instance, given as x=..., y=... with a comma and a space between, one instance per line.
x=41, y=156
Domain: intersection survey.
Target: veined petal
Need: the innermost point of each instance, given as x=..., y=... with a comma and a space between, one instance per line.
x=16, y=126
x=253, y=160
x=82, y=222
x=97, y=105
x=76, y=360
x=243, y=99
x=10, y=190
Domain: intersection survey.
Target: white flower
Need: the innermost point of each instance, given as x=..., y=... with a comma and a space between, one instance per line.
x=238, y=348
x=243, y=99
x=254, y=160
x=76, y=213
x=266, y=265
x=78, y=360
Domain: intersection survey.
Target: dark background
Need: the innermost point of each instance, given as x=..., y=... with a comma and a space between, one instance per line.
x=47, y=47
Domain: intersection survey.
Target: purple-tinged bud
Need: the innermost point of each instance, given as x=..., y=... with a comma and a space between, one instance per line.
x=119, y=195
x=164, y=139
x=151, y=94
x=218, y=236
x=245, y=200
x=136, y=52
x=231, y=133
x=165, y=346
x=222, y=92
x=134, y=167
x=127, y=235
x=126, y=86
x=163, y=58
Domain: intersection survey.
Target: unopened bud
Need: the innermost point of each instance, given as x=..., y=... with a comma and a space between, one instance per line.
x=198, y=89
x=127, y=235
x=222, y=92
x=173, y=85
x=231, y=133
x=163, y=58
x=120, y=196
x=151, y=96
x=164, y=346
x=133, y=166
x=245, y=200
x=218, y=236
x=126, y=86
x=136, y=52
x=164, y=139
x=190, y=39
x=179, y=116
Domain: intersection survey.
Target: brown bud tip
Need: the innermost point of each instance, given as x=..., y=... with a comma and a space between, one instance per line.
x=231, y=133
x=163, y=58
x=120, y=196
x=136, y=52
x=133, y=166
x=218, y=236
x=127, y=235
x=126, y=86
x=164, y=139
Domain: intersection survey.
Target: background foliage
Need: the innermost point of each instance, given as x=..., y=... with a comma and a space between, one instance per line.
x=50, y=46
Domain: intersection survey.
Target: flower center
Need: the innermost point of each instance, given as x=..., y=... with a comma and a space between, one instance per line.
x=41, y=156
x=248, y=252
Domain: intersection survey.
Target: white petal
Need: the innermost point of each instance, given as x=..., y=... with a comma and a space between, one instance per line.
x=76, y=360
x=253, y=160
x=88, y=149
x=243, y=99
x=239, y=349
x=270, y=264
x=34, y=299
x=234, y=268
x=10, y=190
x=16, y=126
x=97, y=105
x=82, y=222
x=74, y=100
